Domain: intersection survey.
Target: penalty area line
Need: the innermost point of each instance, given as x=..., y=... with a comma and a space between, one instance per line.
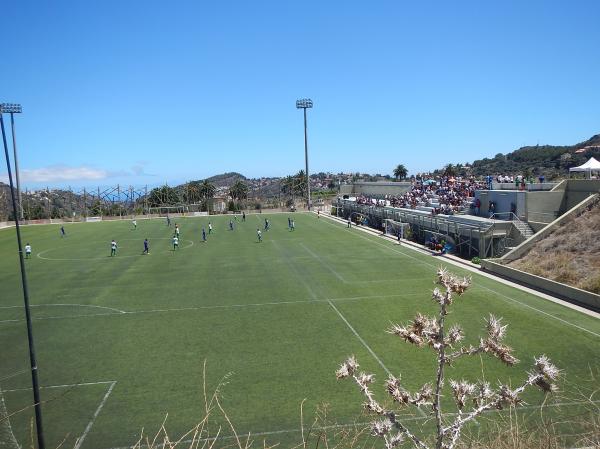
x=375, y=356
x=111, y=385
x=81, y=439
x=216, y=307
x=80, y=384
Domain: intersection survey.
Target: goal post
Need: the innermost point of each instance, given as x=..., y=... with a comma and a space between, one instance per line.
x=7, y=437
x=163, y=211
x=396, y=229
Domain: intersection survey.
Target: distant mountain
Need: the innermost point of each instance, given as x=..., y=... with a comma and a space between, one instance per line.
x=549, y=160
x=226, y=179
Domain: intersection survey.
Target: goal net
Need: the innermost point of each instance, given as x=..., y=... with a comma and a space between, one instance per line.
x=7, y=437
x=166, y=210
x=396, y=229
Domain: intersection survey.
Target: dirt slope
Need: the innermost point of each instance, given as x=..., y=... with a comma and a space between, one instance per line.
x=570, y=255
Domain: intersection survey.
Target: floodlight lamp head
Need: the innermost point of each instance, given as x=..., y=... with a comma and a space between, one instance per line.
x=10, y=108
x=304, y=103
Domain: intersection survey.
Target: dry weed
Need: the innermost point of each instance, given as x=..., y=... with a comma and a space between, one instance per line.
x=570, y=255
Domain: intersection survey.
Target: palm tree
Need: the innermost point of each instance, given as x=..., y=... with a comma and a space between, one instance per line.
x=449, y=170
x=163, y=196
x=400, y=172
x=206, y=190
x=238, y=191
x=191, y=194
x=300, y=183
x=287, y=185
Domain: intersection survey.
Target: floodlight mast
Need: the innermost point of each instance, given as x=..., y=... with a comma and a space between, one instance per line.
x=12, y=109
x=306, y=103
x=15, y=109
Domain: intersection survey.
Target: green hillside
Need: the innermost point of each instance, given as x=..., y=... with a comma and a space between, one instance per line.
x=549, y=160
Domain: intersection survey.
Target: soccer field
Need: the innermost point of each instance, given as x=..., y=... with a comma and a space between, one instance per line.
x=121, y=340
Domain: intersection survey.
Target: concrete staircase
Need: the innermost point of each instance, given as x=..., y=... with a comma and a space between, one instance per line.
x=523, y=228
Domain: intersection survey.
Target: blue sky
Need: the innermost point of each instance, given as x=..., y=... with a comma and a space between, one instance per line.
x=138, y=92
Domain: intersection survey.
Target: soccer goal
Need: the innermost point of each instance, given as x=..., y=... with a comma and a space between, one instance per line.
x=396, y=229
x=163, y=211
x=7, y=437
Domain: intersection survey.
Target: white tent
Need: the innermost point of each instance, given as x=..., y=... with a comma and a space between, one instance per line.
x=590, y=166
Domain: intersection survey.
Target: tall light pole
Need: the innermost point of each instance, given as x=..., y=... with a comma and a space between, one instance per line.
x=11, y=109
x=306, y=103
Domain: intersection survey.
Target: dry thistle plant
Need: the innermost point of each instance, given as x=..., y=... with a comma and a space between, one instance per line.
x=471, y=399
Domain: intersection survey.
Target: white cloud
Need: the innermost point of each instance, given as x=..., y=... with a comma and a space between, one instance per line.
x=64, y=173
x=60, y=173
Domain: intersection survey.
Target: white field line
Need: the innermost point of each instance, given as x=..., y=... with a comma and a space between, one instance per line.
x=90, y=424
x=364, y=343
x=482, y=286
x=325, y=264
x=259, y=434
x=65, y=305
x=75, y=259
x=81, y=384
x=465, y=265
x=244, y=436
x=273, y=432
x=374, y=281
x=293, y=268
x=357, y=335
x=93, y=419
x=12, y=441
x=314, y=295
x=228, y=306
x=540, y=311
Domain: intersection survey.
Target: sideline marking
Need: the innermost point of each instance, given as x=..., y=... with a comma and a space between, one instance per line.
x=479, y=285
x=540, y=311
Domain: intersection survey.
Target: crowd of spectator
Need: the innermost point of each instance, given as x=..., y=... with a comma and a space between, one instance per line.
x=443, y=195
x=519, y=180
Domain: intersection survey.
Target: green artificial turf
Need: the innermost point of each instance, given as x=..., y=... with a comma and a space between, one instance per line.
x=276, y=317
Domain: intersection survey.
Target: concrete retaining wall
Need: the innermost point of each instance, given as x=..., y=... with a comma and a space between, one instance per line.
x=520, y=250
x=544, y=207
x=579, y=189
x=554, y=288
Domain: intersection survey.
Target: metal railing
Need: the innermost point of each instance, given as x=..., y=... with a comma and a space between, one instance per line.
x=533, y=187
x=484, y=239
